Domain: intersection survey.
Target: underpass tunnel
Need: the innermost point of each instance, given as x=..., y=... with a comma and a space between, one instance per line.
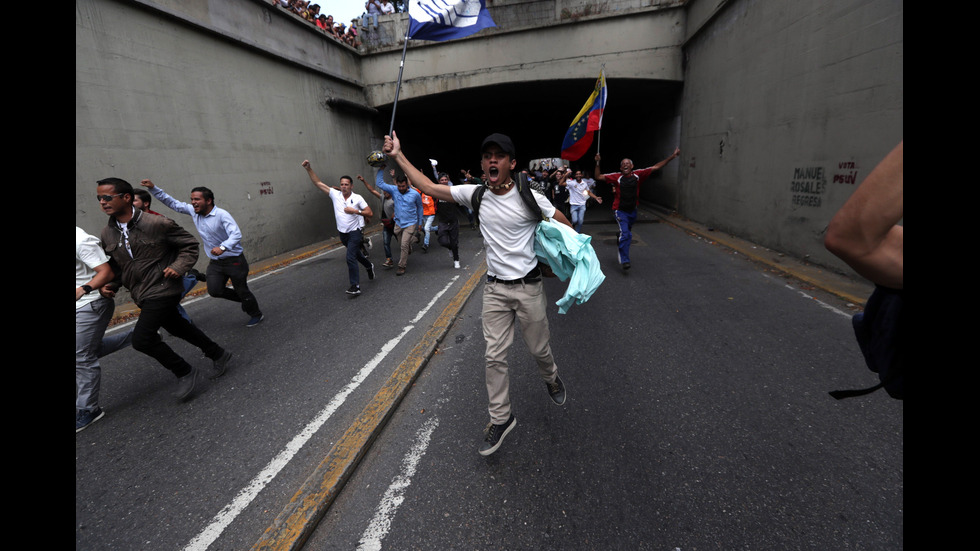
x=641, y=121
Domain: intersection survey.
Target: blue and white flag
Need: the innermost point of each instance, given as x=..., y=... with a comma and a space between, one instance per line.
x=441, y=20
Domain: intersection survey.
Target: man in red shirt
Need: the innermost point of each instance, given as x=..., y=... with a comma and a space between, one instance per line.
x=626, y=195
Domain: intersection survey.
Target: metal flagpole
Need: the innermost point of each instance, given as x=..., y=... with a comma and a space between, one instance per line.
x=598, y=132
x=398, y=87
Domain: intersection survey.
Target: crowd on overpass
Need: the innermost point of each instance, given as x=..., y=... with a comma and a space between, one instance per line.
x=338, y=30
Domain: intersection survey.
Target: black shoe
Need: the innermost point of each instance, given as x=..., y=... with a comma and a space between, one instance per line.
x=425, y=248
x=185, y=385
x=495, y=435
x=354, y=290
x=370, y=271
x=557, y=391
x=197, y=275
x=221, y=364
x=626, y=265
x=85, y=417
x=255, y=320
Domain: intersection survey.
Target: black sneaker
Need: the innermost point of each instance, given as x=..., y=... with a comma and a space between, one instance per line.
x=197, y=275
x=557, y=391
x=626, y=265
x=185, y=385
x=255, y=320
x=354, y=290
x=221, y=364
x=370, y=271
x=85, y=417
x=495, y=435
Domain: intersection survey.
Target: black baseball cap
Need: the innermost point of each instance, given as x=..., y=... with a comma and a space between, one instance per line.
x=502, y=141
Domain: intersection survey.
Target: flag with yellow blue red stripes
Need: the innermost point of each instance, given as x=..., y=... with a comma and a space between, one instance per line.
x=578, y=138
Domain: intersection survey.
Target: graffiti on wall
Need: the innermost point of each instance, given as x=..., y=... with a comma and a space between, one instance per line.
x=846, y=173
x=265, y=188
x=809, y=184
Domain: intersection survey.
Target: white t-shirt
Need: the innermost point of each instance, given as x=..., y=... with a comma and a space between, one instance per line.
x=508, y=227
x=577, y=192
x=347, y=223
x=88, y=255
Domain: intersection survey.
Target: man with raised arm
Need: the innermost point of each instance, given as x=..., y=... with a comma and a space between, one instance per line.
x=514, y=290
x=626, y=196
x=350, y=210
x=408, y=214
x=222, y=243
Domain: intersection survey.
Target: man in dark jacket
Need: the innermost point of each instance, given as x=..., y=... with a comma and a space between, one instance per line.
x=149, y=255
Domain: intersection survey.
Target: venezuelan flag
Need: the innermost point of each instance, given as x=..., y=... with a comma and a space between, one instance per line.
x=589, y=119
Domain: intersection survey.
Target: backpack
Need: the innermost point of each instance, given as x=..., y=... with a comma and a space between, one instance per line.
x=880, y=334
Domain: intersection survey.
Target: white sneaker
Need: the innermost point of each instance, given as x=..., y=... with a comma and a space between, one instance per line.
x=456, y=264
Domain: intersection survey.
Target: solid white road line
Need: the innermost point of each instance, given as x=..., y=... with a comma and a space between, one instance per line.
x=231, y=511
x=395, y=495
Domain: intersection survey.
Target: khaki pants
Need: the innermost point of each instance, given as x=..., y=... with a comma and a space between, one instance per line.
x=405, y=236
x=502, y=306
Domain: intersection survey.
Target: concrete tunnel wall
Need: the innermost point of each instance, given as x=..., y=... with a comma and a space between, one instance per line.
x=183, y=101
x=787, y=107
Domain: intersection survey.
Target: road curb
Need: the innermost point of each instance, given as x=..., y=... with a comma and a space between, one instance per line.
x=846, y=288
x=298, y=520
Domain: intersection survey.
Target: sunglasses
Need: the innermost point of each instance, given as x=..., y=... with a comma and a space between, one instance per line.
x=107, y=198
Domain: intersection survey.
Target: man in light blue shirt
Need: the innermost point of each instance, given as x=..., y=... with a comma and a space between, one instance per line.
x=408, y=214
x=223, y=244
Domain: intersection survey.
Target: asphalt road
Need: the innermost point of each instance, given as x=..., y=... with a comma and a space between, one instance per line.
x=697, y=417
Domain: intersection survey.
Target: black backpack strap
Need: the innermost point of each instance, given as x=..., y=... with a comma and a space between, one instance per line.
x=527, y=195
x=839, y=394
x=476, y=200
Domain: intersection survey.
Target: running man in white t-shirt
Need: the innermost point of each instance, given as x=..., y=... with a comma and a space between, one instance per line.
x=514, y=290
x=350, y=210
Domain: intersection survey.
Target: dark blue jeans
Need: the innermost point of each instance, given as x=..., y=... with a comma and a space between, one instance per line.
x=353, y=241
x=386, y=237
x=625, y=221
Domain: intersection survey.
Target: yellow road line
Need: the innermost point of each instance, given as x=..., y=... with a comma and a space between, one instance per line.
x=299, y=518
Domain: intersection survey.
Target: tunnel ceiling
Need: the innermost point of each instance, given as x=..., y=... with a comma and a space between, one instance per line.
x=450, y=126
